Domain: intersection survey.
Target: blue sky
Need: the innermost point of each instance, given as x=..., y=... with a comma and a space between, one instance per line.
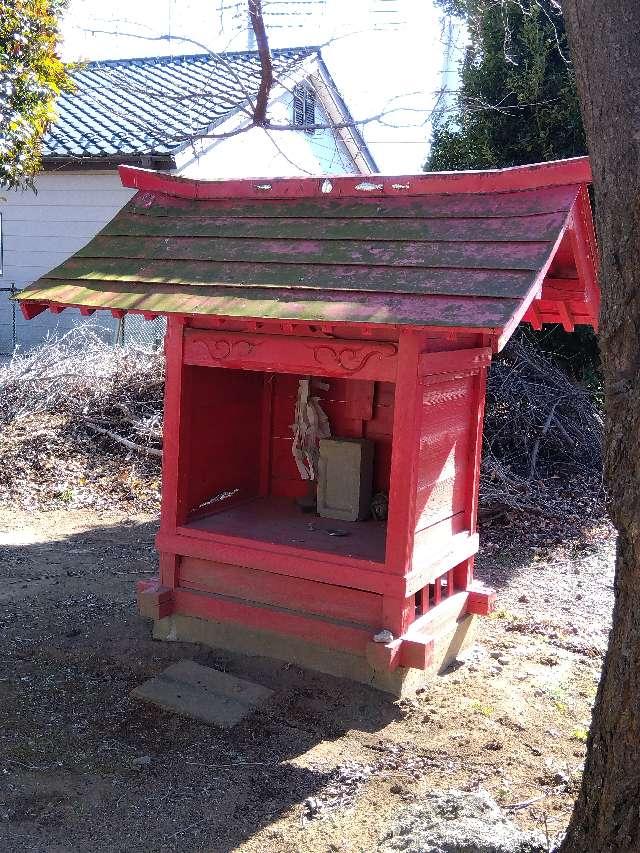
x=397, y=69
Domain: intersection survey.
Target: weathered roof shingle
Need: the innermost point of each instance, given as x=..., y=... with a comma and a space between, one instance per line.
x=469, y=250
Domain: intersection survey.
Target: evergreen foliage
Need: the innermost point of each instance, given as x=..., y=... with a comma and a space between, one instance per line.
x=31, y=76
x=517, y=101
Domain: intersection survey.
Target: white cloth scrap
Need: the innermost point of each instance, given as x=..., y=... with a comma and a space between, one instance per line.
x=311, y=424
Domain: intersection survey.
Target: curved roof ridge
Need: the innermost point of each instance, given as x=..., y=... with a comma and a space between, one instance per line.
x=569, y=172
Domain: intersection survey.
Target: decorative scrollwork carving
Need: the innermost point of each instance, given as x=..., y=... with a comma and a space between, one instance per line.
x=221, y=349
x=352, y=359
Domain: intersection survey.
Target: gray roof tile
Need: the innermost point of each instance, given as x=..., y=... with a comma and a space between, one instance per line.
x=149, y=105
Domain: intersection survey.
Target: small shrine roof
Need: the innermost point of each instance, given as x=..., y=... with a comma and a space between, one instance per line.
x=475, y=250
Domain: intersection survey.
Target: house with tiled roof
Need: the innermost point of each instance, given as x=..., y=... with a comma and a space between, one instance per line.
x=178, y=114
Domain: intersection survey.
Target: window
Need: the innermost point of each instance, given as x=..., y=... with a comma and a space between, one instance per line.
x=1, y=246
x=304, y=108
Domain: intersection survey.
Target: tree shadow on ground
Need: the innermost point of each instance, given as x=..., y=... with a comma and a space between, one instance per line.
x=513, y=541
x=87, y=768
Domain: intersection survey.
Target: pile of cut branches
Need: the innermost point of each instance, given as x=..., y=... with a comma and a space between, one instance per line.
x=81, y=423
x=542, y=439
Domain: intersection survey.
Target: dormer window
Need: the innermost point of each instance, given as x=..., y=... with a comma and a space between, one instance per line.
x=304, y=108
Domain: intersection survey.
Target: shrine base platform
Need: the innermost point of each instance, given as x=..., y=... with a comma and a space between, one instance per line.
x=449, y=645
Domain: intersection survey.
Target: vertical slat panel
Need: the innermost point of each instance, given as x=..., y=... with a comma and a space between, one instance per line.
x=475, y=448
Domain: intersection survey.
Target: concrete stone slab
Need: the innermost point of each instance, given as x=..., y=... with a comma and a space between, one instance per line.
x=239, y=638
x=203, y=693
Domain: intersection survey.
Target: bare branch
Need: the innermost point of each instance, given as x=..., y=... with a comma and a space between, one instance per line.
x=126, y=442
x=266, y=65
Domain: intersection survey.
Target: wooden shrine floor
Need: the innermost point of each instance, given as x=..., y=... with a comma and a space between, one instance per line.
x=281, y=522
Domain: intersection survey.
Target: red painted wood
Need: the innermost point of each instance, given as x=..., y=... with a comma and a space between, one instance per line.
x=443, y=463
x=471, y=254
x=336, y=602
x=402, y=489
x=280, y=354
x=265, y=439
x=155, y=601
x=173, y=508
x=428, y=564
x=236, y=531
x=450, y=582
x=322, y=631
x=32, y=309
x=565, y=317
x=417, y=652
x=314, y=565
x=481, y=600
x=224, y=443
x=433, y=364
x=561, y=172
x=585, y=252
x=449, y=611
x=359, y=396
x=435, y=539
x=394, y=291
x=547, y=311
x=397, y=613
x=168, y=569
x=463, y=573
x=533, y=316
x=279, y=524
x=475, y=446
x=564, y=289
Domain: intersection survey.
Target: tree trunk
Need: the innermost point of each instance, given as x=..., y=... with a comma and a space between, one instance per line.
x=605, y=49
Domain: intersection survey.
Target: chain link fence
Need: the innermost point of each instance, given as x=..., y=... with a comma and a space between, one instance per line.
x=131, y=330
x=145, y=334
x=8, y=336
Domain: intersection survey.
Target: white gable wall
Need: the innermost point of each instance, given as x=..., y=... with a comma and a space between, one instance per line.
x=278, y=153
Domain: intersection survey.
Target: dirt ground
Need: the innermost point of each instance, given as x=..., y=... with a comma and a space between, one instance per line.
x=327, y=764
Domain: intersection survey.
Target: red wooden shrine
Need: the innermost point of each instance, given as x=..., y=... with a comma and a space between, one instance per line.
x=396, y=292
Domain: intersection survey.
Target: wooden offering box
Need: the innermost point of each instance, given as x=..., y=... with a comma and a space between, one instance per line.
x=394, y=292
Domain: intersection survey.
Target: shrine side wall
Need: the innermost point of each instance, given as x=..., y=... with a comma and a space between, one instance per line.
x=223, y=409
x=443, y=457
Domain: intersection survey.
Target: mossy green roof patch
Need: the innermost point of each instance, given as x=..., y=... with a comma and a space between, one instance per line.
x=459, y=259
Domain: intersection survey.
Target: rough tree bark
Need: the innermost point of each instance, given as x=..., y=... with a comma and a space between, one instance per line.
x=605, y=49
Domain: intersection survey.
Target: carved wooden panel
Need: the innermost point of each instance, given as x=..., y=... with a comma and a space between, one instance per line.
x=287, y=354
